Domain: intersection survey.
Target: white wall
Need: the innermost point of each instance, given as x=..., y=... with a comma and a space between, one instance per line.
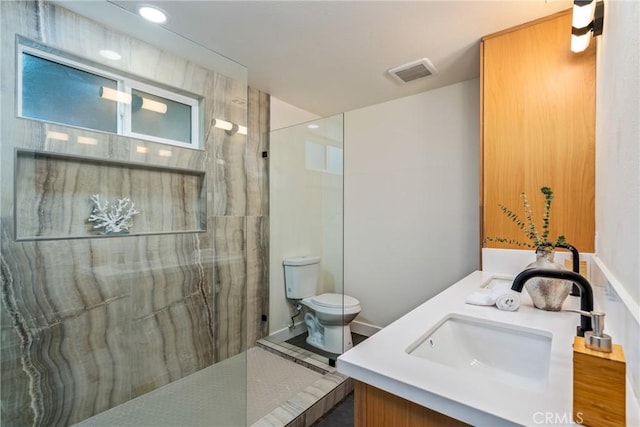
x=284, y=114
x=618, y=144
x=411, y=199
x=618, y=175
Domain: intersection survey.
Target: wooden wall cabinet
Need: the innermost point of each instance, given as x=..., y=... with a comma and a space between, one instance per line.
x=538, y=129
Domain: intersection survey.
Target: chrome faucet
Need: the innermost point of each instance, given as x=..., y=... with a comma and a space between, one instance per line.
x=586, y=292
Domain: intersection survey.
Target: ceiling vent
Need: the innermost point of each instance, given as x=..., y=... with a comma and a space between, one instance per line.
x=413, y=70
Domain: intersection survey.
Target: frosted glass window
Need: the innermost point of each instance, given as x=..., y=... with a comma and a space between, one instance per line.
x=58, y=93
x=160, y=117
x=314, y=155
x=334, y=160
x=55, y=87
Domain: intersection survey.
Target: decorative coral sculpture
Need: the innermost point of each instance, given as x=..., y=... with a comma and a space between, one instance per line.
x=112, y=219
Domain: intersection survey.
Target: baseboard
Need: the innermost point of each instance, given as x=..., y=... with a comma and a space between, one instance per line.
x=362, y=328
x=288, y=333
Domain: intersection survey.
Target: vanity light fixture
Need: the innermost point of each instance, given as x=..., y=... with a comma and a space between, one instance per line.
x=588, y=17
x=228, y=127
x=155, y=106
x=137, y=101
x=153, y=14
x=222, y=124
x=115, y=95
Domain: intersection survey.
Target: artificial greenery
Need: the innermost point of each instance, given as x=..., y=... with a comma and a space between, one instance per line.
x=538, y=241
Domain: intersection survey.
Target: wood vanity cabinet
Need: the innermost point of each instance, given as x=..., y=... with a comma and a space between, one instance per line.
x=538, y=129
x=378, y=408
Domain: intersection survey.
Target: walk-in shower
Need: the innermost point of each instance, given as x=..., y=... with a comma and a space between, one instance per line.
x=128, y=246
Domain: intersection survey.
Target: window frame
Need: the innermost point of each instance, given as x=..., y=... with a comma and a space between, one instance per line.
x=124, y=84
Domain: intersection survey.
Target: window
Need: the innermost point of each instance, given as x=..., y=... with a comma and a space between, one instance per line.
x=57, y=89
x=323, y=157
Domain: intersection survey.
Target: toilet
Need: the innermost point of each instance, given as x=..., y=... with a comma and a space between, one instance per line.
x=328, y=315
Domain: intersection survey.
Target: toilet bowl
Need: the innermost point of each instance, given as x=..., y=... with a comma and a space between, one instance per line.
x=328, y=318
x=327, y=315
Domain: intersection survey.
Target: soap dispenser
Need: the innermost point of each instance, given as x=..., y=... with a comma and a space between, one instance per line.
x=599, y=374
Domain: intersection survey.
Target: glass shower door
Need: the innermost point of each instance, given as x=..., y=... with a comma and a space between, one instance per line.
x=306, y=218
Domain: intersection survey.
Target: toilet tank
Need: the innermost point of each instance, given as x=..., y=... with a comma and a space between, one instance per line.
x=301, y=276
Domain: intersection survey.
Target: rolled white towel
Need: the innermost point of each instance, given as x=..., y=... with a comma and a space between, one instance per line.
x=504, y=298
x=499, y=295
x=508, y=301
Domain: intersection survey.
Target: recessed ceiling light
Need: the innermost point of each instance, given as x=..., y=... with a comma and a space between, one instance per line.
x=109, y=54
x=152, y=14
x=313, y=126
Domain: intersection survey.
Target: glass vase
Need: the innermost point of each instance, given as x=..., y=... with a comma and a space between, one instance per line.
x=547, y=294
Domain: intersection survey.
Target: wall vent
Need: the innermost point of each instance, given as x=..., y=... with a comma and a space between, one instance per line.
x=413, y=70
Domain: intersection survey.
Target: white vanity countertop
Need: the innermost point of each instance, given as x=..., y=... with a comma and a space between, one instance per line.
x=382, y=361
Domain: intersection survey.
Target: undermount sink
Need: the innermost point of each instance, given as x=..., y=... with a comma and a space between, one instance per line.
x=490, y=350
x=497, y=281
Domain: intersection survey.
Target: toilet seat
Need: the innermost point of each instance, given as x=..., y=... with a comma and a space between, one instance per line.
x=335, y=301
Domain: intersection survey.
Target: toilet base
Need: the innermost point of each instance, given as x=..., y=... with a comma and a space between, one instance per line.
x=331, y=339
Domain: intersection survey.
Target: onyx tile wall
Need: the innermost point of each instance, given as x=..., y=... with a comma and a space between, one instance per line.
x=257, y=215
x=89, y=323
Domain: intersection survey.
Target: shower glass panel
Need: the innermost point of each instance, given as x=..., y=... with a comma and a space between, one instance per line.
x=306, y=218
x=143, y=323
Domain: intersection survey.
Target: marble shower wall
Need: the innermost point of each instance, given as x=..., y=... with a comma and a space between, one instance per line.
x=91, y=322
x=257, y=215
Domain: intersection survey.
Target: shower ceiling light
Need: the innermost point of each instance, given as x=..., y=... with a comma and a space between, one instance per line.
x=153, y=14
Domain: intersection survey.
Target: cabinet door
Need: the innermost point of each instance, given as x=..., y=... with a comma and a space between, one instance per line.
x=538, y=129
x=374, y=407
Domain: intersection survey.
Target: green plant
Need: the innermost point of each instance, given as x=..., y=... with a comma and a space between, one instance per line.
x=538, y=241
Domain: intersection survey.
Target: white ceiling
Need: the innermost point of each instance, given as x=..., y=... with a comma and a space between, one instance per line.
x=331, y=56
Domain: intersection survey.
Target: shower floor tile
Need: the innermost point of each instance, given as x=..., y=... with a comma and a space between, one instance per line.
x=272, y=381
x=215, y=396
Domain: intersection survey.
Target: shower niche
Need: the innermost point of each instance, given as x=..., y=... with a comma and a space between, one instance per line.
x=53, y=196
